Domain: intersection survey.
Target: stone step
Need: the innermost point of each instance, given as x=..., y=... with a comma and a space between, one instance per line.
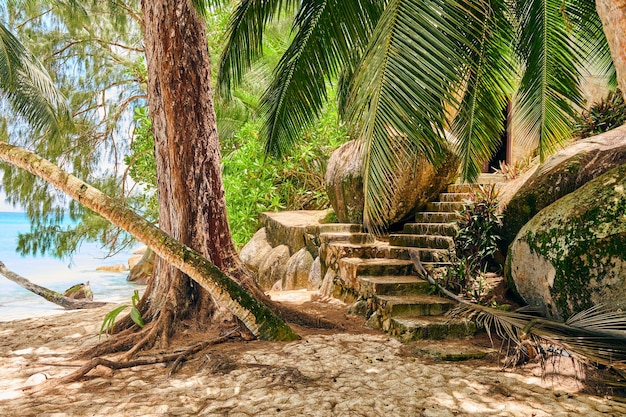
x=392, y=285
x=352, y=268
x=486, y=178
x=350, y=237
x=435, y=217
x=442, y=229
x=421, y=241
x=339, y=250
x=411, y=305
x=341, y=228
x=410, y=329
x=461, y=188
x=447, y=206
x=451, y=197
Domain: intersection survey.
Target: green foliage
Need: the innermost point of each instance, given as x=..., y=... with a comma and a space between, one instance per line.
x=109, y=319
x=476, y=243
x=293, y=182
x=607, y=114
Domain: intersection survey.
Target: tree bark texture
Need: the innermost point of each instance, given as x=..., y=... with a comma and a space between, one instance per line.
x=254, y=314
x=192, y=208
x=613, y=16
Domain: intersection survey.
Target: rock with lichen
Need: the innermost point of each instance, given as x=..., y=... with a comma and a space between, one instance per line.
x=572, y=254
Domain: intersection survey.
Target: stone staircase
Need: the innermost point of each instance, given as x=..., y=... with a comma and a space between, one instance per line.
x=380, y=276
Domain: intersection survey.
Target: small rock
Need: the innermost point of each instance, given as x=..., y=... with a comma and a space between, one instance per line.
x=79, y=292
x=273, y=267
x=315, y=275
x=36, y=379
x=298, y=268
x=140, y=250
x=112, y=268
x=256, y=250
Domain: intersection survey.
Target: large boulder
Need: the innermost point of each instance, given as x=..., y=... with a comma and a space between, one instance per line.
x=143, y=271
x=561, y=174
x=344, y=183
x=420, y=183
x=572, y=254
x=298, y=268
x=274, y=267
x=256, y=250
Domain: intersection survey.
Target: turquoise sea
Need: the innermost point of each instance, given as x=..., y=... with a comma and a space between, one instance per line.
x=56, y=274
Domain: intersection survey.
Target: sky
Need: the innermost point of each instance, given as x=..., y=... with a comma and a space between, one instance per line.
x=4, y=206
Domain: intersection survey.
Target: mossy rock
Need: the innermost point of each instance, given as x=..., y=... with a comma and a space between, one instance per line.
x=572, y=254
x=561, y=174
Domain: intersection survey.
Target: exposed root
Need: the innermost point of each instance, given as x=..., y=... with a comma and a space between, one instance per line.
x=177, y=358
x=197, y=348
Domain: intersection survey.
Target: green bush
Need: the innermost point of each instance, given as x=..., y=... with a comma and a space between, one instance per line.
x=607, y=114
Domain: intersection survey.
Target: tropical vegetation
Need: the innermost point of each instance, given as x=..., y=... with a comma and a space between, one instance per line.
x=410, y=70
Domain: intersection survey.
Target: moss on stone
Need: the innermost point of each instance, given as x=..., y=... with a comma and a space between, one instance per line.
x=579, y=235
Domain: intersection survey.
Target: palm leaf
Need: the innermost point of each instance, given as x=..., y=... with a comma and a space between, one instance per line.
x=27, y=85
x=549, y=86
x=401, y=87
x=589, y=33
x=245, y=39
x=479, y=121
x=323, y=44
x=597, y=334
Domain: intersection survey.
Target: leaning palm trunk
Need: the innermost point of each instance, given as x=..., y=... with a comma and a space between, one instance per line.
x=253, y=314
x=596, y=334
x=48, y=294
x=613, y=16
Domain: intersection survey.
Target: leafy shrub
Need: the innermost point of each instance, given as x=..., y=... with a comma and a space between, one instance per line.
x=608, y=113
x=476, y=243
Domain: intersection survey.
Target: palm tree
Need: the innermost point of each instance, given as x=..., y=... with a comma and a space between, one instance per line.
x=412, y=69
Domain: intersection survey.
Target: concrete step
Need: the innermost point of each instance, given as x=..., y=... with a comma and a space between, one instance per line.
x=451, y=197
x=350, y=237
x=392, y=285
x=410, y=329
x=394, y=306
x=340, y=250
x=447, y=206
x=441, y=229
x=435, y=217
x=340, y=228
x=421, y=241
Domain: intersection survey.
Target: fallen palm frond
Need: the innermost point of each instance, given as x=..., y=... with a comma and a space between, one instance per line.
x=597, y=335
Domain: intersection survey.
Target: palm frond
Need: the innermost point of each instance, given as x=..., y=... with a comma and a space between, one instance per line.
x=597, y=334
x=245, y=39
x=589, y=34
x=27, y=85
x=323, y=44
x=397, y=104
x=549, y=86
x=488, y=86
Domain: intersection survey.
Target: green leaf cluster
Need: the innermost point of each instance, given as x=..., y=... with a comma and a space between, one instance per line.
x=109, y=319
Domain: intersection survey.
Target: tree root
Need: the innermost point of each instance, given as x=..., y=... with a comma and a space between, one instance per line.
x=177, y=358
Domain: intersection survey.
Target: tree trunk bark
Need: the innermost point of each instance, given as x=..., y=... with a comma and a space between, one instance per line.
x=253, y=313
x=613, y=16
x=49, y=295
x=192, y=208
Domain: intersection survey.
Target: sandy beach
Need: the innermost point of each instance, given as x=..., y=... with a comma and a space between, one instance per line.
x=353, y=372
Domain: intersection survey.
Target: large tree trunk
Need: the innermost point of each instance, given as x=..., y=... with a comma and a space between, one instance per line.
x=613, y=16
x=191, y=196
x=253, y=313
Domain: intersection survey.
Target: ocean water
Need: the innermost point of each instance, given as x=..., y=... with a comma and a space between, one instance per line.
x=55, y=274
